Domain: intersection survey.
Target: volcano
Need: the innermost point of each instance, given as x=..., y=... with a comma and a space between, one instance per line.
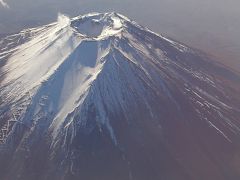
x=100, y=97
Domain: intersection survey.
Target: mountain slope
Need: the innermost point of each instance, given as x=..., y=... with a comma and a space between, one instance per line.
x=100, y=97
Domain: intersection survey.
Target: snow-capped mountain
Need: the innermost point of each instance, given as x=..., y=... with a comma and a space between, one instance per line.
x=99, y=97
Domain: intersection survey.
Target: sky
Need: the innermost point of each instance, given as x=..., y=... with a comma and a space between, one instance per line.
x=210, y=25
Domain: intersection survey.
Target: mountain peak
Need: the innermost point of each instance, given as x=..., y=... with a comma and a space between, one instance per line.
x=98, y=25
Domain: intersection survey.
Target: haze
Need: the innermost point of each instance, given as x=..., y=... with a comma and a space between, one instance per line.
x=209, y=25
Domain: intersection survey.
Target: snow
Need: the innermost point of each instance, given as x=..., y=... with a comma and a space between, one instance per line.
x=36, y=60
x=92, y=60
x=219, y=131
x=98, y=26
x=117, y=24
x=85, y=66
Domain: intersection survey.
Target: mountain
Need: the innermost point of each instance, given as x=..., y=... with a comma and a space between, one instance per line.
x=99, y=97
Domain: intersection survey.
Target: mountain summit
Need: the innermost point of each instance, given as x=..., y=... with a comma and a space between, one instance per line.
x=99, y=97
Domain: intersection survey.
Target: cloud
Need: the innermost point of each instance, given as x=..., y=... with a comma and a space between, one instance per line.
x=4, y=4
x=63, y=20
